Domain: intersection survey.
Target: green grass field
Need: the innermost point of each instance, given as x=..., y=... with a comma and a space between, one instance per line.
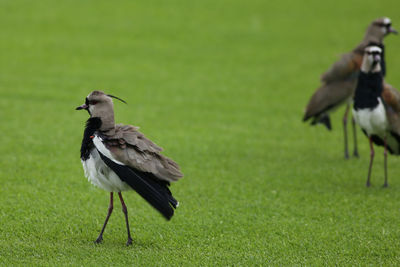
x=221, y=86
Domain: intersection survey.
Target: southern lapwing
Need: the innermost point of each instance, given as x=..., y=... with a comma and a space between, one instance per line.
x=339, y=82
x=118, y=158
x=377, y=108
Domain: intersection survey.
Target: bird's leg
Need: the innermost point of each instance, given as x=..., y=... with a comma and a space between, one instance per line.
x=125, y=211
x=355, y=151
x=385, y=162
x=110, y=209
x=370, y=162
x=346, y=113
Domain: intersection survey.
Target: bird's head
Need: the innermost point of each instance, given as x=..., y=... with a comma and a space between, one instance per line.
x=379, y=28
x=100, y=105
x=372, y=59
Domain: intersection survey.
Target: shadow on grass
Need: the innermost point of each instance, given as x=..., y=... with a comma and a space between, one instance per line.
x=137, y=243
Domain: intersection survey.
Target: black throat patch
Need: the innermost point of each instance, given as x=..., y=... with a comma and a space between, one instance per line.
x=369, y=89
x=92, y=125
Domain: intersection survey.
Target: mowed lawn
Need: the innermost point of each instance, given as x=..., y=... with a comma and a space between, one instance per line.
x=221, y=86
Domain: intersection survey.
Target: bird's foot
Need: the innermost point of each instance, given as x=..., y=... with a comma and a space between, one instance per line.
x=346, y=155
x=385, y=185
x=355, y=154
x=368, y=184
x=129, y=242
x=98, y=240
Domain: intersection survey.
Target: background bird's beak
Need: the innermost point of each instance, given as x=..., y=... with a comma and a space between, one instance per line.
x=392, y=30
x=84, y=106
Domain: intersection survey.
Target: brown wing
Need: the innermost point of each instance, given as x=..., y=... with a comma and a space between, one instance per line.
x=348, y=65
x=329, y=96
x=391, y=96
x=132, y=148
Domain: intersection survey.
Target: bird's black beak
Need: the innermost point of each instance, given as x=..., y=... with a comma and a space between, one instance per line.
x=377, y=60
x=392, y=30
x=84, y=106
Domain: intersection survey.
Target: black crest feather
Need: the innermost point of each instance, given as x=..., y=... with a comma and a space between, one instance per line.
x=123, y=101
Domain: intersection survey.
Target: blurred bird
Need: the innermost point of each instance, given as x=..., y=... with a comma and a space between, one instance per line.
x=339, y=82
x=118, y=157
x=377, y=108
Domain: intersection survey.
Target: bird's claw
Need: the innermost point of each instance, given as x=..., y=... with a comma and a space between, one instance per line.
x=98, y=240
x=129, y=242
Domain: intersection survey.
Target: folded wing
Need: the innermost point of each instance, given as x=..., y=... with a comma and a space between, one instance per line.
x=329, y=96
x=391, y=97
x=154, y=191
x=347, y=66
x=132, y=148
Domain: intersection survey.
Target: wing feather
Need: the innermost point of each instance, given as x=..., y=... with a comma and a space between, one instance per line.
x=132, y=148
x=329, y=96
x=153, y=191
x=348, y=65
x=391, y=97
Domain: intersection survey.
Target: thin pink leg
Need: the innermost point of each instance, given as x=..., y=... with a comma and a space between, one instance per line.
x=370, y=162
x=355, y=151
x=125, y=211
x=346, y=113
x=110, y=209
x=385, y=162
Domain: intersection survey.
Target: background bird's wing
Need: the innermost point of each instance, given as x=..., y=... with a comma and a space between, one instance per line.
x=391, y=97
x=132, y=148
x=348, y=65
x=329, y=96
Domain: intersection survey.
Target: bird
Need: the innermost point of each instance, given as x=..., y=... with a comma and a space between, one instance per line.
x=339, y=82
x=117, y=158
x=376, y=108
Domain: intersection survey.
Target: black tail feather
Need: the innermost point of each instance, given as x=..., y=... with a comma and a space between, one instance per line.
x=379, y=142
x=396, y=136
x=324, y=119
x=153, y=190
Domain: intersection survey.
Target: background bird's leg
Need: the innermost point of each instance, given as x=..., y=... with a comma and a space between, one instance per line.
x=355, y=151
x=125, y=211
x=370, y=162
x=346, y=113
x=110, y=209
x=385, y=162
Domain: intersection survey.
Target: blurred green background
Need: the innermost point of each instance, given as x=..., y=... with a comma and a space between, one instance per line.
x=221, y=86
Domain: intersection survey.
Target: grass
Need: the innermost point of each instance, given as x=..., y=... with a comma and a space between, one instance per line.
x=221, y=85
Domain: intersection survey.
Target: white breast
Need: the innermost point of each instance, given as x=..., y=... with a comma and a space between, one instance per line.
x=373, y=121
x=99, y=174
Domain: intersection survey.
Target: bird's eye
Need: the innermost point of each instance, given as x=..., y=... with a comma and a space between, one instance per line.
x=93, y=102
